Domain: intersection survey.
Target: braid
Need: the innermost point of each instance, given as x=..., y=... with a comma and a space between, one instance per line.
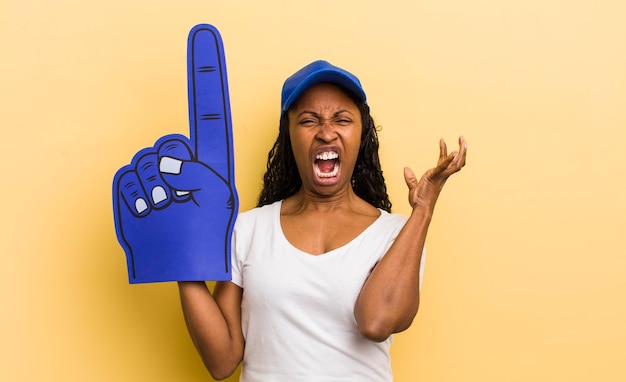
x=281, y=180
x=368, y=181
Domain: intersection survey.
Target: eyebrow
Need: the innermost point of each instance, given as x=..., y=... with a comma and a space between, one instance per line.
x=315, y=114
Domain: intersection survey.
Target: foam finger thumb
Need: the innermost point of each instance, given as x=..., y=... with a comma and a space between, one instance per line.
x=187, y=175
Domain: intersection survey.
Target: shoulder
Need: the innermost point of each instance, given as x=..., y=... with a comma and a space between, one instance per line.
x=391, y=222
x=253, y=227
x=257, y=215
x=393, y=218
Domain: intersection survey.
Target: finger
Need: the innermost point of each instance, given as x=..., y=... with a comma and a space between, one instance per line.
x=409, y=178
x=147, y=169
x=197, y=176
x=443, y=150
x=444, y=163
x=185, y=176
x=460, y=156
x=131, y=191
x=462, y=150
x=173, y=150
x=209, y=105
x=453, y=163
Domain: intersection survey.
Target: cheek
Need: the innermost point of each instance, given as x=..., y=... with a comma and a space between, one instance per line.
x=355, y=141
x=299, y=149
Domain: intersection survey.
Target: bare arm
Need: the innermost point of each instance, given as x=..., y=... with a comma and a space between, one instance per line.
x=389, y=299
x=214, y=323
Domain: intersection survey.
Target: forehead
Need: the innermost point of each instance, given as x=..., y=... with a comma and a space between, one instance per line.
x=324, y=96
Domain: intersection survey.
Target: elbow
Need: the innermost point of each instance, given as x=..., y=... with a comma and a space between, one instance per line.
x=219, y=375
x=375, y=331
x=375, y=335
x=221, y=372
x=220, y=368
x=378, y=330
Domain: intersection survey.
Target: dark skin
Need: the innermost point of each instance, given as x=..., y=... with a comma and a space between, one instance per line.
x=325, y=122
x=389, y=299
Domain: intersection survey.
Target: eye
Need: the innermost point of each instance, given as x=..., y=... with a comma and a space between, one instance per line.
x=308, y=122
x=343, y=121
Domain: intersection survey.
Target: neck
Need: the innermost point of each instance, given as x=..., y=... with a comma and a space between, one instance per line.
x=304, y=201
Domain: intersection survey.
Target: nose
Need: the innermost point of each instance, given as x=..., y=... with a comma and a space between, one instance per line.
x=326, y=132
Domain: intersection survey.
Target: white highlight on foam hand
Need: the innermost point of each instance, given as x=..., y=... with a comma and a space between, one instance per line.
x=140, y=205
x=170, y=165
x=158, y=194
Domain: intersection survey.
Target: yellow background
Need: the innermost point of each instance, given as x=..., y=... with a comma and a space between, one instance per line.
x=525, y=279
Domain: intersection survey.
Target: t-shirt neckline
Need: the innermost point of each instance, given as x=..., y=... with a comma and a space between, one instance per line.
x=331, y=253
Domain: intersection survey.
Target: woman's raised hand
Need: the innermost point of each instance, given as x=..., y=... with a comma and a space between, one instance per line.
x=424, y=193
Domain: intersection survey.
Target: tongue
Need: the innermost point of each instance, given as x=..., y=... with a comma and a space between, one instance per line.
x=326, y=165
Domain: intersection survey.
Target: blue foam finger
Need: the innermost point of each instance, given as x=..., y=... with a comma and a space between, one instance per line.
x=183, y=232
x=209, y=106
x=169, y=151
x=134, y=195
x=155, y=188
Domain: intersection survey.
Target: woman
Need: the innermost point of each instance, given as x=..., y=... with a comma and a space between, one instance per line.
x=323, y=274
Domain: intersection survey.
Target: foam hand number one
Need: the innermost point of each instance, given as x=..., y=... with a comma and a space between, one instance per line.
x=175, y=204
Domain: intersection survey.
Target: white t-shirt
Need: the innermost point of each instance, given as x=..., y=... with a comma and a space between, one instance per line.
x=298, y=309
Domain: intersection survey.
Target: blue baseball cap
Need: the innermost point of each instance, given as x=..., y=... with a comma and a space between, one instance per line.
x=315, y=73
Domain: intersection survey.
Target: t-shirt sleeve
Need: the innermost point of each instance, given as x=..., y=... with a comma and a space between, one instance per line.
x=236, y=255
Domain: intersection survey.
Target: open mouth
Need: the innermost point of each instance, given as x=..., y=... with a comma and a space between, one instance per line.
x=326, y=164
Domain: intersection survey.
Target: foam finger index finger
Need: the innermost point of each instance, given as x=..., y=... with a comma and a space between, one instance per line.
x=209, y=104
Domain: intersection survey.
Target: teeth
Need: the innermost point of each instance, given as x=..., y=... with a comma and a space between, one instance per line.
x=327, y=174
x=327, y=155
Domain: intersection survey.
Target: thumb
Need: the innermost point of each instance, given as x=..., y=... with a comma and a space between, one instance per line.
x=205, y=184
x=409, y=178
x=187, y=175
